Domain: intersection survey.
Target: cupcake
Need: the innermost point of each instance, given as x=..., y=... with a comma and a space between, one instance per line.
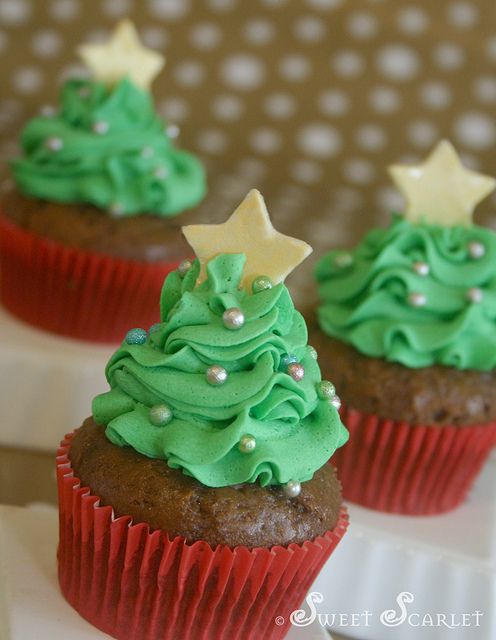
x=406, y=325
x=89, y=231
x=197, y=501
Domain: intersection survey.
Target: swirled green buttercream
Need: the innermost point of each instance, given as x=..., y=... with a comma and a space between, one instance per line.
x=295, y=430
x=107, y=147
x=418, y=294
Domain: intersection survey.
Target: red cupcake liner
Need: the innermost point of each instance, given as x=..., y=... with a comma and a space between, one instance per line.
x=140, y=585
x=396, y=467
x=76, y=293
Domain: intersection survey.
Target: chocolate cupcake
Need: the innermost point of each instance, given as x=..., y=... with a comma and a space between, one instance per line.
x=406, y=326
x=89, y=231
x=197, y=501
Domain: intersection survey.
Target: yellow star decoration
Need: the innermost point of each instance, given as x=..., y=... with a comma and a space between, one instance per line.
x=441, y=190
x=123, y=55
x=249, y=231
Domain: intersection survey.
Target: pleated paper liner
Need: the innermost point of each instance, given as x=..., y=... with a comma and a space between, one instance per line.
x=76, y=293
x=396, y=467
x=140, y=585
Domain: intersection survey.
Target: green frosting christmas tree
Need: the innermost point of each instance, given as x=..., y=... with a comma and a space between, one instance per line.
x=226, y=387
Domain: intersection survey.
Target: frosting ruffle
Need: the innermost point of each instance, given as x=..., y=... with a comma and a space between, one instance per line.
x=107, y=148
x=296, y=432
x=366, y=298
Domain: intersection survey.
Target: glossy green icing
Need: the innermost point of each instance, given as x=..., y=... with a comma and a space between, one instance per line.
x=296, y=432
x=114, y=153
x=366, y=302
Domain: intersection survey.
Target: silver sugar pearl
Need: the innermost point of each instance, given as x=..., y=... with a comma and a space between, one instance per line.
x=296, y=371
x=184, y=267
x=116, y=210
x=216, y=375
x=287, y=359
x=326, y=390
x=312, y=351
x=160, y=415
x=421, y=268
x=342, y=260
x=172, y=131
x=247, y=444
x=336, y=402
x=54, y=144
x=476, y=249
x=474, y=294
x=292, y=489
x=417, y=299
x=233, y=318
x=101, y=127
x=161, y=173
x=147, y=152
x=261, y=284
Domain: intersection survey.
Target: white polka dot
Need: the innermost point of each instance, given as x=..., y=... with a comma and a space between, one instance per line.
x=212, y=141
x=491, y=47
x=294, y=67
x=64, y=10
x=371, y=137
x=384, y=99
x=470, y=161
x=242, y=71
x=258, y=31
x=168, y=9
x=280, y=105
x=346, y=199
x=422, y=133
x=412, y=20
x=309, y=29
x=4, y=41
x=306, y=171
x=435, y=95
x=14, y=12
x=252, y=168
x=348, y=63
x=362, y=26
x=485, y=89
x=265, y=141
x=46, y=43
x=390, y=200
x=358, y=171
x=175, y=109
x=324, y=5
x=319, y=140
x=189, y=73
x=27, y=80
x=448, y=56
x=206, y=35
x=333, y=102
x=227, y=108
x=155, y=37
x=116, y=8
x=74, y=70
x=475, y=130
x=221, y=5
x=463, y=14
x=397, y=62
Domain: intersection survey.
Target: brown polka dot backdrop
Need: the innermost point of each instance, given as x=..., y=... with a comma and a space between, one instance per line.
x=307, y=100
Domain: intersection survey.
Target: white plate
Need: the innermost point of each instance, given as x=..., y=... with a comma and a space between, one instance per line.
x=31, y=606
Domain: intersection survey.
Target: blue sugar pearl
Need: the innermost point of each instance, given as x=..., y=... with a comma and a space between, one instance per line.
x=287, y=359
x=136, y=336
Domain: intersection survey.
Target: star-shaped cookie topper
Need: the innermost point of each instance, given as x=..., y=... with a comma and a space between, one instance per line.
x=441, y=190
x=249, y=231
x=122, y=56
